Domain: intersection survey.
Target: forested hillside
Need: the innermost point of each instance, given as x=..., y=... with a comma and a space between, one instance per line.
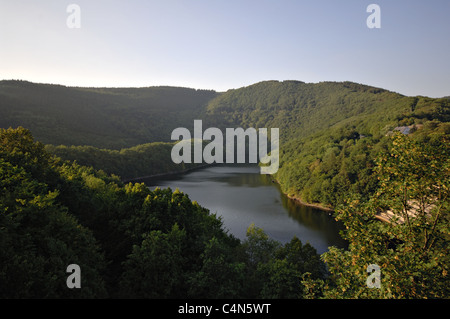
x=302, y=109
x=358, y=149
x=330, y=131
x=132, y=242
x=111, y=118
x=128, y=163
x=129, y=241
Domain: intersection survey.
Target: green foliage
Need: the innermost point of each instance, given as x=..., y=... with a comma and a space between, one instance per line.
x=102, y=117
x=221, y=275
x=258, y=246
x=39, y=238
x=330, y=132
x=412, y=248
x=302, y=109
x=129, y=241
x=276, y=271
x=337, y=149
x=129, y=163
x=154, y=268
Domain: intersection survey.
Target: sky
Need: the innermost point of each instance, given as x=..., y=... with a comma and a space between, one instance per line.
x=227, y=44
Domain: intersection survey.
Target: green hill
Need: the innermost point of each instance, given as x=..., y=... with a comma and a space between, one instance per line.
x=366, y=148
x=330, y=131
x=102, y=117
x=302, y=109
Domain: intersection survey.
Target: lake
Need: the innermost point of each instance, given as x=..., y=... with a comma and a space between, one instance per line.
x=242, y=196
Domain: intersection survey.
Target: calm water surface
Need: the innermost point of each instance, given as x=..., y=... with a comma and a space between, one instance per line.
x=242, y=196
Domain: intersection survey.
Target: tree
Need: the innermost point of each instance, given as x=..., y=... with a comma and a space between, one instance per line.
x=303, y=258
x=283, y=275
x=221, y=275
x=154, y=269
x=411, y=248
x=280, y=280
x=258, y=247
x=39, y=239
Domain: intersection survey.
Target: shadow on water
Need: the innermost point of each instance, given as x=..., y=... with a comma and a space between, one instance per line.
x=241, y=195
x=317, y=219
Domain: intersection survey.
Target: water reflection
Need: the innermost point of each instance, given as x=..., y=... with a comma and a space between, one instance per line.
x=242, y=196
x=316, y=219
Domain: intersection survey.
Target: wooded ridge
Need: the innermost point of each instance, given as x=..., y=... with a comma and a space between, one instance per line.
x=343, y=145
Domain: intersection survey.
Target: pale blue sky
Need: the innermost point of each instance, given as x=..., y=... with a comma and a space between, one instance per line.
x=225, y=44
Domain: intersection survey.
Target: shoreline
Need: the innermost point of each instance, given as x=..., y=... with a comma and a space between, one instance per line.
x=316, y=205
x=291, y=197
x=301, y=202
x=129, y=180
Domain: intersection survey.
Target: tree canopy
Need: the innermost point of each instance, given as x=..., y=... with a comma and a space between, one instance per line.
x=380, y=159
x=129, y=241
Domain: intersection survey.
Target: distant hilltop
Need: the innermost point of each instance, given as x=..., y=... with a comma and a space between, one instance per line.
x=118, y=118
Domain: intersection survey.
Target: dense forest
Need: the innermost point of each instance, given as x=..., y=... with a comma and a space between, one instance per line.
x=330, y=134
x=128, y=163
x=129, y=241
x=357, y=149
x=112, y=118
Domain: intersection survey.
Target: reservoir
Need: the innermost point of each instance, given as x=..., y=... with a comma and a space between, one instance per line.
x=242, y=196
